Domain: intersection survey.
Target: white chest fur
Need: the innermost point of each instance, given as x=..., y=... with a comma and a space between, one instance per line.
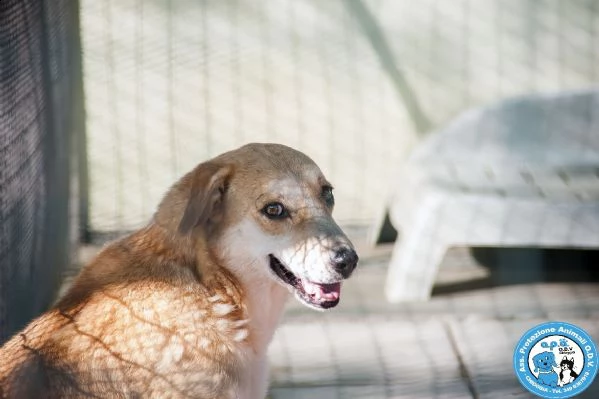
x=265, y=304
x=253, y=381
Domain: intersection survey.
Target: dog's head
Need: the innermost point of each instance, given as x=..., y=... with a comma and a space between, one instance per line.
x=544, y=361
x=266, y=210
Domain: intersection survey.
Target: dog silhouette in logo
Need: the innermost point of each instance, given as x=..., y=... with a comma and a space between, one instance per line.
x=544, y=363
x=567, y=374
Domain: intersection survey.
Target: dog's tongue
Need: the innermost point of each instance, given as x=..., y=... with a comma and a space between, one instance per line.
x=327, y=292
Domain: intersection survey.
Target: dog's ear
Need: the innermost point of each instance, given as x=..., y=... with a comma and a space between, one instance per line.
x=209, y=183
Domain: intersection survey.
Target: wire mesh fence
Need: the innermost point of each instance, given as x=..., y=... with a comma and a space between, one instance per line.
x=40, y=109
x=352, y=83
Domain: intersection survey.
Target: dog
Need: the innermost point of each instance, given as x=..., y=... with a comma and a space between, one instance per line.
x=187, y=305
x=544, y=363
x=567, y=373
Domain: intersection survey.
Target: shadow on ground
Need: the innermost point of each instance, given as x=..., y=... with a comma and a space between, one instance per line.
x=510, y=266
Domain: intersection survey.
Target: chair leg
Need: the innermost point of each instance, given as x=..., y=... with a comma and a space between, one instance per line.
x=413, y=268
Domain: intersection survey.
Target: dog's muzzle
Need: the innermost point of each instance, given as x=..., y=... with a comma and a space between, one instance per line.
x=318, y=295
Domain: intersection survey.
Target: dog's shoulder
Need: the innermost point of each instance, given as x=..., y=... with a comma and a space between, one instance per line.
x=134, y=307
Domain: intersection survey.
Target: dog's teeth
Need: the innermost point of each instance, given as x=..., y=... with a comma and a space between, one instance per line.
x=309, y=288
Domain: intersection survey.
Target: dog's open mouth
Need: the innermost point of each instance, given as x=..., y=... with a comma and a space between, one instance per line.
x=317, y=295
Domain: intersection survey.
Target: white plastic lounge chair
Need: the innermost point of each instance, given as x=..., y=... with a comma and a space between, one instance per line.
x=522, y=173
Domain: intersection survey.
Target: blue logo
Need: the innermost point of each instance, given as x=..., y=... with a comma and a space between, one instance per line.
x=556, y=360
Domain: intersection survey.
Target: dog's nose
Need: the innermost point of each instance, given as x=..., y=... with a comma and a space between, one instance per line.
x=345, y=260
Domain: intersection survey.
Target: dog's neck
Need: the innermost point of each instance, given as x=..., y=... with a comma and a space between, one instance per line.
x=265, y=301
x=546, y=371
x=263, y=298
x=156, y=240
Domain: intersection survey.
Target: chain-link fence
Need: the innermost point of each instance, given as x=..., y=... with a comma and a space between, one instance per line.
x=352, y=83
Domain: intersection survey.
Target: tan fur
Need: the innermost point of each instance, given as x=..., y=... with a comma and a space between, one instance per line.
x=180, y=308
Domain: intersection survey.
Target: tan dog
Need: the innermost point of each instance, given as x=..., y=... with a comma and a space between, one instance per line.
x=187, y=306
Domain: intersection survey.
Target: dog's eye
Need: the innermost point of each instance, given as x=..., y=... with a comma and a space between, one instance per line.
x=327, y=195
x=275, y=210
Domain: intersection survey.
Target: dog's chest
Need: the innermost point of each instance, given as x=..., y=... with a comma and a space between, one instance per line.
x=265, y=307
x=253, y=378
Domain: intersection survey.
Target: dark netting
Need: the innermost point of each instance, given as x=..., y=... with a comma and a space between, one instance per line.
x=40, y=108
